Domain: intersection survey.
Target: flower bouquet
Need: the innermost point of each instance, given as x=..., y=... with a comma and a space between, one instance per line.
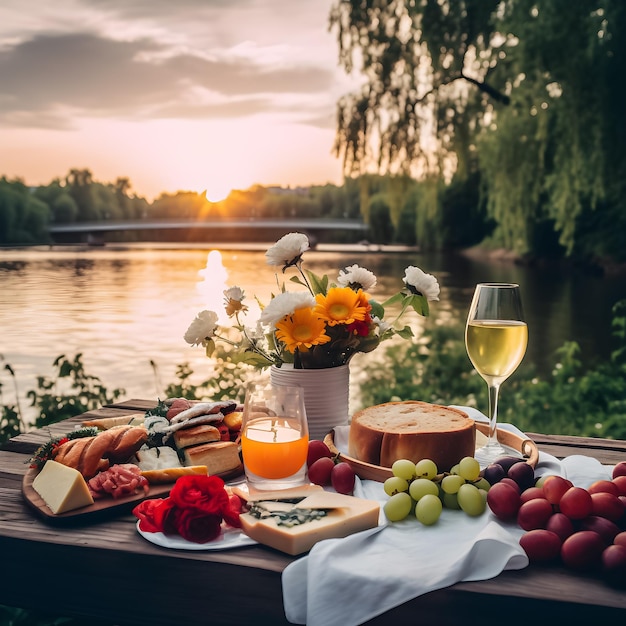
x=323, y=324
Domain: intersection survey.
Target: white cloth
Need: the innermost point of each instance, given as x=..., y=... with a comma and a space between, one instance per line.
x=345, y=582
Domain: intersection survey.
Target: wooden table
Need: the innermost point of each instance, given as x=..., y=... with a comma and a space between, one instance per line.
x=107, y=571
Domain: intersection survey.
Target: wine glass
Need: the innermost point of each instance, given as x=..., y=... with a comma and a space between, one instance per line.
x=496, y=337
x=274, y=436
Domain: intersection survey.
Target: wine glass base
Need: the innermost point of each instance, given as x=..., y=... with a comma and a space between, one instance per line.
x=489, y=453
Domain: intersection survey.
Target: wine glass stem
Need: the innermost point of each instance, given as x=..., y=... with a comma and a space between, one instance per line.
x=494, y=391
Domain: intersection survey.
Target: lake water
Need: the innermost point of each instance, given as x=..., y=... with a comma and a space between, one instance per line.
x=125, y=307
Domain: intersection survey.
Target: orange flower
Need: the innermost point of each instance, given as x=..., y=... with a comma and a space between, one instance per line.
x=302, y=330
x=342, y=305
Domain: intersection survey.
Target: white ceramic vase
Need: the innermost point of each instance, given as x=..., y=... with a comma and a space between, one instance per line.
x=326, y=394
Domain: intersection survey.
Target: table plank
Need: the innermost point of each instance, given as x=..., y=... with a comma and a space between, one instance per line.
x=243, y=586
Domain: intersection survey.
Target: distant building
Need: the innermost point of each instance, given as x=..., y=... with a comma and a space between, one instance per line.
x=288, y=191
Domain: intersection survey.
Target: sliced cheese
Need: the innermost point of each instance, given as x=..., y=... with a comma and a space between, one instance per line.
x=104, y=423
x=334, y=516
x=62, y=488
x=172, y=474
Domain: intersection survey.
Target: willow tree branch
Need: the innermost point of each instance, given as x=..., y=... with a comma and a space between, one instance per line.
x=488, y=89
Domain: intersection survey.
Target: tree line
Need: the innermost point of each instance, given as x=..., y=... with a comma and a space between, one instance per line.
x=396, y=208
x=478, y=122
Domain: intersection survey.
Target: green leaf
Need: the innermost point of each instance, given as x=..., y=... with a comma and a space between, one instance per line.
x=377, y=310
x=318, y=284
x=298, y=281
x=405, y=333
x=251, y=358
x=398, y=297
x=418, y=303
x=210, y=347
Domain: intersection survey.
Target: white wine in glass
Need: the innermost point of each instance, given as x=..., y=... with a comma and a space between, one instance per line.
x=496, y=337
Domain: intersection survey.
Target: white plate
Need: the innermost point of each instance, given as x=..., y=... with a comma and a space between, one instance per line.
x=230, y=538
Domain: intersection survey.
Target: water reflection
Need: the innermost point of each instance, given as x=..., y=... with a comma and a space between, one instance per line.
x=124, y=308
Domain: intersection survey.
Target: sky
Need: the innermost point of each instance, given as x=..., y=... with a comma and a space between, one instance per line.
x=175, y=95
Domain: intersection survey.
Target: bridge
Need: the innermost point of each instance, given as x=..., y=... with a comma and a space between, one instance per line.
x=94, y=231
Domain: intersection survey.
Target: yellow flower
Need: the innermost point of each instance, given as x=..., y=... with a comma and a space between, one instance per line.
x=341, y=305
x=302, y=329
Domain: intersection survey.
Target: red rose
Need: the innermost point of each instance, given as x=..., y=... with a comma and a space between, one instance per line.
x=202, y=493
x=196, y=526
x=153, y=514
x=195, y=510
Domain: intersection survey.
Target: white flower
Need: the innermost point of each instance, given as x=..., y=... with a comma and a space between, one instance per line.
x=284, y=304
x=356, y=276
x=202, y=328
x=421, y=283
x=233, y=301
x=383, y=326
x=234, y=293
x=287, y=250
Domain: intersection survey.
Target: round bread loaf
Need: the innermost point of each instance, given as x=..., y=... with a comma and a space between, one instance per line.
x=384, y=433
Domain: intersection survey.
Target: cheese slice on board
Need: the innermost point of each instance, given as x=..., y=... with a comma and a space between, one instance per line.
x=104, y=423
x=297, y=528
x=62, y=488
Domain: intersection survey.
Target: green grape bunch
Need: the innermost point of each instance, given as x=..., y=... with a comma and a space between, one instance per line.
x=418, y=489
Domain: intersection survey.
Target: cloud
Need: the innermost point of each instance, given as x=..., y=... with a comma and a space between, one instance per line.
x=154, y=59
x=96, y=76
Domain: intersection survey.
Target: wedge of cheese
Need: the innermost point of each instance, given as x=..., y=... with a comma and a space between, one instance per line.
x=62, y=488
x=295, y=528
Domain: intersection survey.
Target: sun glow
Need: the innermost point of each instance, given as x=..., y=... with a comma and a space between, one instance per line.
x=213, y=284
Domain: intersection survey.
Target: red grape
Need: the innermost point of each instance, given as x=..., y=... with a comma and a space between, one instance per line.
x=317, y=450
x=607, y=505
x=575, y=503
x=604, y=527
x=554, y=487
x=614, y=565
x=619, y=469
x=620, y=539
x=534, y=514
x=582, y=550
x=506, y=462
x=532, y=493
x=620, y=481
x=561, y=525
x=319, y=472
x=541, y=545
x=510, y=482
x=342, y=478
x=523, y=474
x=494, y=473
x=503, y=500
x=603, y=486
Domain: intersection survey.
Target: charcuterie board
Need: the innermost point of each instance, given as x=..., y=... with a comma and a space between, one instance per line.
x=93, y=512
x=101, y=508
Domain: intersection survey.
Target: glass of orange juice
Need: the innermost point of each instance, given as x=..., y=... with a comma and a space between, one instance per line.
x=274, y=436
